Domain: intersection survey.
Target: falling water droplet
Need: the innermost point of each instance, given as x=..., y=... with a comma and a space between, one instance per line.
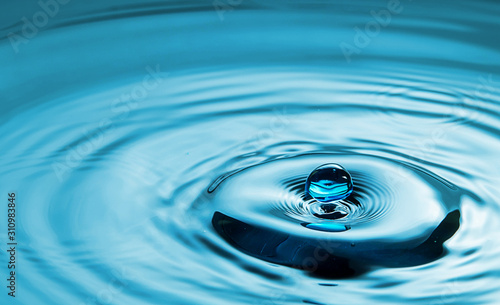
x=329, y=182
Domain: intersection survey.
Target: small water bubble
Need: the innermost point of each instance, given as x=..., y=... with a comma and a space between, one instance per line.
x=329, y=182
x=328, y=210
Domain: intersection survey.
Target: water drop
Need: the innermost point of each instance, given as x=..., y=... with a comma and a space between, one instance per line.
x=329, y=182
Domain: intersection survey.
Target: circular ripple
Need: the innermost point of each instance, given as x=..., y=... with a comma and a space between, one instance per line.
x=112, y=185
x=389, y=221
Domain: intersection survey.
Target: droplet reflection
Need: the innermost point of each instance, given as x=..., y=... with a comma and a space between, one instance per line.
x=329, y=182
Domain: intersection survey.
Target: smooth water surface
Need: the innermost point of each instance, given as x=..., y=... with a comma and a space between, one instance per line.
x=159, y=151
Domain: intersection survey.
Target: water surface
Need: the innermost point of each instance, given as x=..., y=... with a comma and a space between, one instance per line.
x=133, y=132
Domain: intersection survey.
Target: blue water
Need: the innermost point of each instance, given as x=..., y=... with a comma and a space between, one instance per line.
x=159, y=151
x=329, y=182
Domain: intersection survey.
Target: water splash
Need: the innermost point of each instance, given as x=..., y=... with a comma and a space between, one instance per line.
x=385, y=224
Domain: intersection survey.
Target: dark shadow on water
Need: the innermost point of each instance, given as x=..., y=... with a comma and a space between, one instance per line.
x=330, y=258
